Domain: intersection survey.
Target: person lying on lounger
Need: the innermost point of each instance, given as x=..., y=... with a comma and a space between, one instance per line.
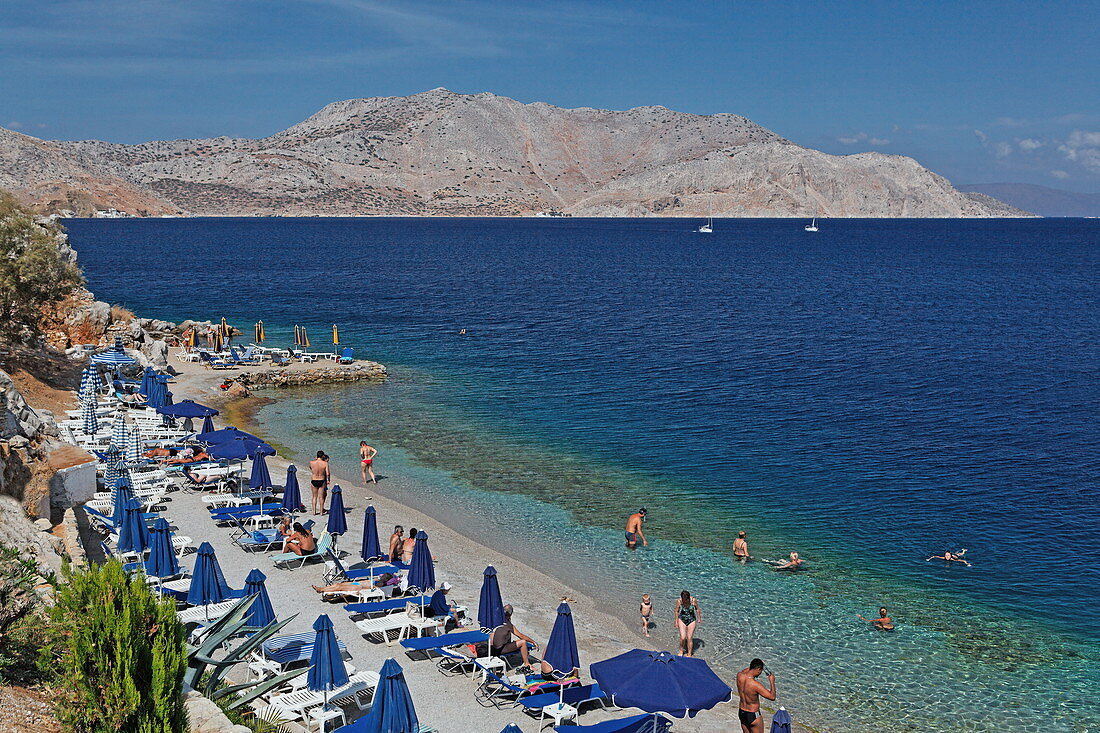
x=188, y=455
x=159, y=453
x=132, y=399
x=354, y=587
x=300, y=542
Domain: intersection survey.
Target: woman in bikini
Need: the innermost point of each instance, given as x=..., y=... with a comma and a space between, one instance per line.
x=366, y=461
x=408, y=545
x=688, y=617
x=300, y=541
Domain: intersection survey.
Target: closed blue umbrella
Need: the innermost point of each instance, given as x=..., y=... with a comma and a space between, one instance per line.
x=240, y=449
x=162, y=561
x=133, y=536
x=490, y=608
x=89, y=420
x=215, y=437
x=422, y=572
x=561, y=650
x=326, y=667
x=337, y=519
x=207, y=581
x=147, y=378
x=208, y=424
x=781, y=721
x=158, y=392
x=660, y=682
x=292, y=495
x=392, y=710
x=511, y=728
x=260, y=477
x=260, y=613
x=123, y=493
x=372, y=548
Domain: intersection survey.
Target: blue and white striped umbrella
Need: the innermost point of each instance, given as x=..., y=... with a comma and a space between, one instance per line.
x=90, y=381
x=120, y=434
x=133, y=446
x=115, y=356
x=112, y=471
x=88, y=419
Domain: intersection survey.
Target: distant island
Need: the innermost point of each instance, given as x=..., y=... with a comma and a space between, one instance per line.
x=439, y=153
x=1041, y=200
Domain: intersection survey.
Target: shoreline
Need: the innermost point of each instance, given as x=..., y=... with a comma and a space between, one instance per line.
x=601, y=630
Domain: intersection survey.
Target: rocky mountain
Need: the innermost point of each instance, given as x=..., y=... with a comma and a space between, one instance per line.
x=447, y=154
x=1042, y=200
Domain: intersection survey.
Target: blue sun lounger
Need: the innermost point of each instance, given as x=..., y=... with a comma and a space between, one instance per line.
x=432, y=643
x=392, y=604
x=256, y=539
x=644, y=723
x=575, y=696
x=109, y=523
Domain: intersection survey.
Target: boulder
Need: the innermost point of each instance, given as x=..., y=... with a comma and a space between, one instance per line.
x=158, y=354
x=237, y=391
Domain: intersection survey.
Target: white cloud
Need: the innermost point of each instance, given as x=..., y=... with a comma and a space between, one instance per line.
x=982, y=137
x=14, y=125
x=1059, y=174
x=1029, y=143
x=1083, y=147
x=861, y=137
x=1002, y=149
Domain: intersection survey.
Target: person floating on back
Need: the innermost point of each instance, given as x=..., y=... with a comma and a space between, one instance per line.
x=749, y=691
x=949, y=556
x=634, y=529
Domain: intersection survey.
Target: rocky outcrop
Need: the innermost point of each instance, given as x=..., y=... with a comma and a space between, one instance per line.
x=321, y=375
x=441, y=153
x=204, y=716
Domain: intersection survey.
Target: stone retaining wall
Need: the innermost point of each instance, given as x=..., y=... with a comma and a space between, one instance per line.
x=320, y=375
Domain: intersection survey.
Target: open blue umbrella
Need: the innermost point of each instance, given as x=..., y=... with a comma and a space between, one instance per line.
x=660, y=682
x=292, y=495
x=133, y=536
x=781, y=721
x=337, y=519
x=260, y=613
x=162, y=562
x=115, y=356
x=186, y=409
x=215, y=437
x=392, y=710
x=490, y=608
x=123, y=493
x=561, y=650
x=207, y=581
x=207, y=424
x=372, y=548
x=326, y=667
x=240, y=449
x=89, y=420
x=511, y=728
x=261, y=477
x=422, y=570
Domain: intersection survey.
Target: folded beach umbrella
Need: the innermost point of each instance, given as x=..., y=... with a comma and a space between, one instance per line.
x=133, y=536
x=218, y=340
x=226, y=329
x=305, y=338
x=292, y=495
x=90, y=381
x=337, y=519
x=158, y=392
x=259, y=332
x=335, y=335
x=123, y=493
x=260, y=613
x=660, y=682
x=260, y=477
x=422, y=572
x=326, y=667
x=511, y=728
x=240, y=449
x=781, y=721
x=112, y=467
x=561, y=650
x=208, y=424
x=162, y=561
x=297, y=336
x=120, y=435
x=134, y=446
x=89, y=421
x=213, y=437
x=147, y=378
x=207, y=581
x=490, y=608
x=392, y=710
x=372, y=548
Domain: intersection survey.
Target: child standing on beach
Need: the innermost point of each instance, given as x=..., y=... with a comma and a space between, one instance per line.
x=646, y=610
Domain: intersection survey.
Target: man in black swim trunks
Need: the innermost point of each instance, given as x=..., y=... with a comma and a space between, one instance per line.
x=634, y=529
x=318, y=480
x=749, y=691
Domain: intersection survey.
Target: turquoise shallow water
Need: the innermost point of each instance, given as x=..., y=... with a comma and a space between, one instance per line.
x=872, y=397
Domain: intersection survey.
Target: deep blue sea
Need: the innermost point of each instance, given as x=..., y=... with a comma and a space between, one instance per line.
x=869, y=396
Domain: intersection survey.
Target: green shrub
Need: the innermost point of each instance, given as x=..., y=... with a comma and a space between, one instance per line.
x=121, y=654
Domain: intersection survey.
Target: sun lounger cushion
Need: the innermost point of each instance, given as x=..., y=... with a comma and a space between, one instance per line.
x=570, y=696
x=428, y=643
x=644, y=723
x=393, y=604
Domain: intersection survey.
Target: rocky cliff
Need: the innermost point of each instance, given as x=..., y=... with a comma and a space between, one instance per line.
x=441, y=153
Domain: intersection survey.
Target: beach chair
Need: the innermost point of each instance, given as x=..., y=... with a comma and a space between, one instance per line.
x=304, y=704
x=346, y=356
x=374, y=608
x=259, y=539
x=246, y=358
x=335, y=571
x=191, y=481
x=450, y=662
x=287, y=560
x=575, y=696
x=286, y=651
x=279, y=360
x=644, y=723
x=212, y=362
x=498, y=692
x=401, y=623
x=206, y=614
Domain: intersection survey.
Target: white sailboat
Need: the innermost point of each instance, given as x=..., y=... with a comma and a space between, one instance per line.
x=812, y=226
x=708, y=227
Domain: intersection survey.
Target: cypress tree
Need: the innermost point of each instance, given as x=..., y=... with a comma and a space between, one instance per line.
x=122, y=654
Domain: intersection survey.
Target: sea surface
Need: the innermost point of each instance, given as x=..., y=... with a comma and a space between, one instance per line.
x=869, y=396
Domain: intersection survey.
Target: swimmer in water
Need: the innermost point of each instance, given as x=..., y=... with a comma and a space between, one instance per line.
x=794, y=563
x=883, y=622
x=949, y=556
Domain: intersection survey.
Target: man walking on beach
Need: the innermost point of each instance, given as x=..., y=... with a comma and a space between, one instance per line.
x=749, y=691
x=634, y=529
x=741, y=548
x=319, y=478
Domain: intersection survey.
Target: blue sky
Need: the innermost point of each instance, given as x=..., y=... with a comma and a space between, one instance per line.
x=978, y=91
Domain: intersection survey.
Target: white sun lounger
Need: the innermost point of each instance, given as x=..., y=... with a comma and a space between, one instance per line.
x=402, y=623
